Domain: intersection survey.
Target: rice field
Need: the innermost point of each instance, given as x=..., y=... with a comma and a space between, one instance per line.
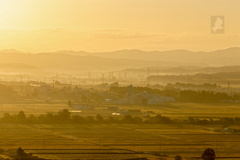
x=121, y=141
x=172, y=110
x=108, y=140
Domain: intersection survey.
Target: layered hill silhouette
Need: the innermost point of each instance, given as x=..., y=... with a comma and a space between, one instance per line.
x=171, y=60
x=229, y=56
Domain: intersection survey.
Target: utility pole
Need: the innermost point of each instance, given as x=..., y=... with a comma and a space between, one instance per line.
x=216, y=145
x=89, y=75
x=103, y=77
x=148, y=75
x=228, y=86
x=160, y=145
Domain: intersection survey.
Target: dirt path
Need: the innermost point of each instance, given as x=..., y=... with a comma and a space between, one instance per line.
x=5, y=157
x=62, y=135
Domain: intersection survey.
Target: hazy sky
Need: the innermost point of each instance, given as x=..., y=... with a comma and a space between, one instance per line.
x=107, y=25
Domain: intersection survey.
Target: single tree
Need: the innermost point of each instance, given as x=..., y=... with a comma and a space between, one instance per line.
x=20, y=152
x=99, y=118
x=178, y=158
x=64, y=114
x=21, y=117
x=69, y=104
x=208, y=154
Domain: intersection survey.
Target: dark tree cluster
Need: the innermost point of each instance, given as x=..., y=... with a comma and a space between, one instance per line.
x=208, y=154
x=64, y=116
x=205, y=96
x=191, y=85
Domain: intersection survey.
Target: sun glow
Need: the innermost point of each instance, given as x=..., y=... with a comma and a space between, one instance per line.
x=107, y=25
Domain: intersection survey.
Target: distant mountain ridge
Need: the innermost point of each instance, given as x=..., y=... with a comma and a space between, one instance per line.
x=219, y=57
x=124, y=59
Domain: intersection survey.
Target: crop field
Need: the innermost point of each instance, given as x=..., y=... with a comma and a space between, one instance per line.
x=122, y=140
x=172, y=110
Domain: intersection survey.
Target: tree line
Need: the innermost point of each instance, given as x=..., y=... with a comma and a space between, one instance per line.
x=65, y=117
x=185, y=85
x=210, y=121
x=205, y=96
x=180, y=95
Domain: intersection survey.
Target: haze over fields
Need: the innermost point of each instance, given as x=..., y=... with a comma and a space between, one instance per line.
x=120, y=79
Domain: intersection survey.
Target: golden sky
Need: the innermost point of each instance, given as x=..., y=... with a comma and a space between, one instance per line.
x=108, y=25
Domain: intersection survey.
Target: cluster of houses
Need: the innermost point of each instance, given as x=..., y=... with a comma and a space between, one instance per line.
x=130, y=97
x=141, y=98
x=230, y=91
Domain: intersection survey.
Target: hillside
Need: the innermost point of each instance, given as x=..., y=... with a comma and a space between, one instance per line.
x=229, y=56
x=172, y=62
